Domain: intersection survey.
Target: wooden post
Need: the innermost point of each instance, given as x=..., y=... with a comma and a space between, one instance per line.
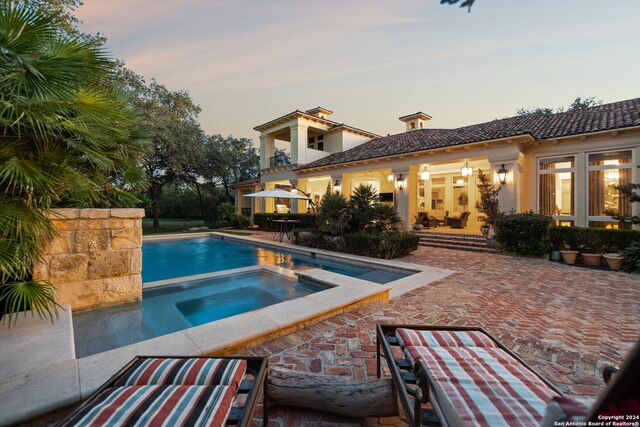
x=374, y=398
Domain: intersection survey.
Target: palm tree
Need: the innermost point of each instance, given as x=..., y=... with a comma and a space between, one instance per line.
x=66, y=139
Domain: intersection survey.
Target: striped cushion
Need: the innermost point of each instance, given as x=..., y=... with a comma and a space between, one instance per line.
x=432, y=338
x=484, y=386
x=158, y=405
x=192, y=371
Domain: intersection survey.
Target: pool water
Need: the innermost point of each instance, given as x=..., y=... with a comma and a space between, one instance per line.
x=167, y=259
x=171, y=308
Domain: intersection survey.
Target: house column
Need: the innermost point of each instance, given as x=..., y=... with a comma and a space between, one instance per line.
x=267, y=150
x=510, y=196
x=299, y=145
x=294, y=203
x=402, y=197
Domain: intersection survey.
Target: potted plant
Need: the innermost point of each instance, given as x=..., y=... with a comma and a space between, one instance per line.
x=557, y=243
x=614, y=260
x=569, y=255
x=420, y=218
x=488, y=203
x=592, y=252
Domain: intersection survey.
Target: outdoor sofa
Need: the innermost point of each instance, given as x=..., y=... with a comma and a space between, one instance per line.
x=177, y=391
x=462, y=376
x=460, y=221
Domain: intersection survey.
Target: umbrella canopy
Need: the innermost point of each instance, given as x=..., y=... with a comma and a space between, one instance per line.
x=278, y=194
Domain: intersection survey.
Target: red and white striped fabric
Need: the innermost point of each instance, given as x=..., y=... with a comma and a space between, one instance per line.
x=483, y=386
x=188, y=371
x=431, y=338
x=158, y=405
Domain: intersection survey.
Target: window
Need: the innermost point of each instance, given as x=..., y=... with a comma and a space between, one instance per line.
x=413, y=125
x=556, y=187
x=316, y=142
x=605, y=171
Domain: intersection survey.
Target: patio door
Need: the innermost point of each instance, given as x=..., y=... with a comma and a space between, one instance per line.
x=448, y=192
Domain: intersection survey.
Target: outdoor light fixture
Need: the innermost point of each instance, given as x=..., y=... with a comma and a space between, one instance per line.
x=336, y=186
x=466, y=170
x=390, y=177
x=294, y=190
x=400, y=182
x=502, y=175
x=425, y=175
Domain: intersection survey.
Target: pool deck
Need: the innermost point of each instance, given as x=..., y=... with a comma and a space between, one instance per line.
x=39, y=383
x=566, y=322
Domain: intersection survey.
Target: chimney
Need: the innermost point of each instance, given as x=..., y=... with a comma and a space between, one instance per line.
x=415, y=121
x=319, y=112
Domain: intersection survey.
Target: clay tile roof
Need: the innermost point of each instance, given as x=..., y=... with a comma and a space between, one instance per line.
x=246, y=182
x=612, y=116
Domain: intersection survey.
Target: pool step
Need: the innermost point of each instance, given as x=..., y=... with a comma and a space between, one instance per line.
x=461, y=242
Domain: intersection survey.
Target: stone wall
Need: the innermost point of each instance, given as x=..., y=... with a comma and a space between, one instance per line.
x=96, y=259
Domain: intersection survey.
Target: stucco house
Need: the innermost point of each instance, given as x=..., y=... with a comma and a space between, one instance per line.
x=563, y=165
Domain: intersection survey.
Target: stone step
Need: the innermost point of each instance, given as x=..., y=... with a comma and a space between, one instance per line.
x=459, y=247
x=449, y=238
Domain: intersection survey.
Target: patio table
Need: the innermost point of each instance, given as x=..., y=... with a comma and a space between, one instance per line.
x=284, y=228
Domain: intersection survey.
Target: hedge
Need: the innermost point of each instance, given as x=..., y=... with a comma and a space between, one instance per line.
x=377, y=245
x=263, y=220
x=524, y=233
x=592, y=240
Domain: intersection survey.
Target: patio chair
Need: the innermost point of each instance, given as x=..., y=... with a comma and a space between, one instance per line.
x=177, y=391
x=429, y=221
x=462, y=376
x=459, y=222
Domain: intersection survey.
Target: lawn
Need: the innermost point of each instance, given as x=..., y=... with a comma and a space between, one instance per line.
x=168, y=226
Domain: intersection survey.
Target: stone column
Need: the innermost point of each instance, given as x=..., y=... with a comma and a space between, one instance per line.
x=510, y=196
x=267, y=150
x=294, y=203
x=95, y=260
x=299, y=144
x=402, y=197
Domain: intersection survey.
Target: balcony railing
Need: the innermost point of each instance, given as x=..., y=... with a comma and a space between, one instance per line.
x=279, y=160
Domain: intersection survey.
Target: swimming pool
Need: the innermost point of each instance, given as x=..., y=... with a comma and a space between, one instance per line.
x=167, y=259
x=171, y=308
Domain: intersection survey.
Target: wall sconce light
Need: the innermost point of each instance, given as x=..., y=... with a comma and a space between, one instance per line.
x=294, y=190
x=390, y=177
x=425, y=175
x=502, y=175
x=336, y=186
x=466, y=170
x=400, y=182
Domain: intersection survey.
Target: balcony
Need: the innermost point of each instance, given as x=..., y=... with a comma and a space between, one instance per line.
x=279, y=160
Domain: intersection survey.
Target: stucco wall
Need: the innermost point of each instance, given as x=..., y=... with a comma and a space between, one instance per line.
x=96, y=259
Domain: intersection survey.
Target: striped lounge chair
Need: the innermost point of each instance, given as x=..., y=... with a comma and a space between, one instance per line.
x=177, y=391
x=460, y=376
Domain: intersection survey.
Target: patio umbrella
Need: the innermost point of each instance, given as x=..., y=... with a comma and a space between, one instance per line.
x=277, y=194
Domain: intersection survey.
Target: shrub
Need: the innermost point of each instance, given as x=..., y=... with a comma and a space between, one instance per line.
x=333, y=215
x=524, y=233
x=387, y=245
x=592, y=239
x=361, y=207
x=263, y=220
x=632, y=258
x=384, y=217
x=313, y=239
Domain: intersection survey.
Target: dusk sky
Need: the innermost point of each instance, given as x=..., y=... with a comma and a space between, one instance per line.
x=246, y=62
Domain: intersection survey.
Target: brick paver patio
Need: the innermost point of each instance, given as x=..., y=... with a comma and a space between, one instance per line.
x=566, y=322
